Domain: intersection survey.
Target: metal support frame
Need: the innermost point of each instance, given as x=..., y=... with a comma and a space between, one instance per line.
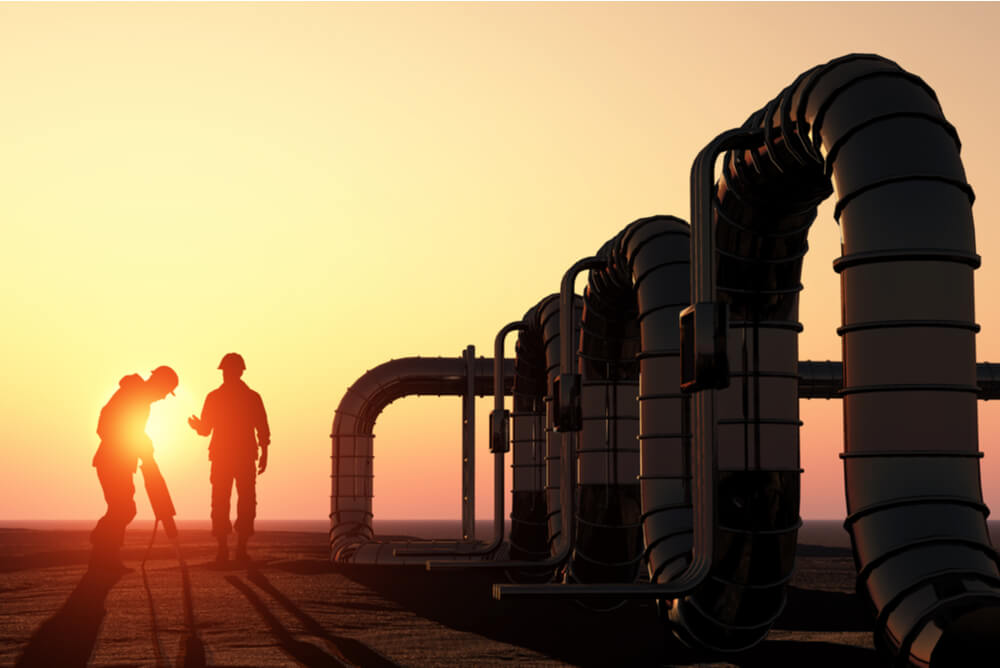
x=704, y=445
x=469, y=447
x=565, y=401
x=499, y=444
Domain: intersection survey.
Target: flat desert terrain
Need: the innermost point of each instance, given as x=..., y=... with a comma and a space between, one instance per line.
x=291, y=607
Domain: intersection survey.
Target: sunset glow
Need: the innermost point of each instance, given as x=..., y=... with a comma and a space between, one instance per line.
x=324, y=187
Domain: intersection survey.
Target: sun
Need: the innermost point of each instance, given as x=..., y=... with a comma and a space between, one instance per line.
x=167, y=425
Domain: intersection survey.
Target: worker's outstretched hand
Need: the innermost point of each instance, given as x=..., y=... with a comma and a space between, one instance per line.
x=262, y=463
x=195, y=422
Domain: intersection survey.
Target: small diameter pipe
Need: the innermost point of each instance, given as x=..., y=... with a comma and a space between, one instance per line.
x=703, y=455
x=567, y=356
x=567, y=368
x=567, y=359
x=498, y=459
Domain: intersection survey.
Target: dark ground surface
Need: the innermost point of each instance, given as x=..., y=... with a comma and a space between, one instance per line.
x=292, y=608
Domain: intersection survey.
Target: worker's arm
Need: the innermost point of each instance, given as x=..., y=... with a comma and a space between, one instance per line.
x=204, y=424
x=262, y=462
x=263, y=433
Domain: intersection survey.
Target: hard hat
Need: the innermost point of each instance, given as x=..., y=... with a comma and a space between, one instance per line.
x=232, y=361
x=166, y=376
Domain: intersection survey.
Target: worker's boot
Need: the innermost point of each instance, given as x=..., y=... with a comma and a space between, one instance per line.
x=222, y=553
x=241, y=549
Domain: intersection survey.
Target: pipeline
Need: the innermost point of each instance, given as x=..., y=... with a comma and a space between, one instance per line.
x=542, y=329
x=862, y=126
x=351, y=536
x=609, y=518
x=825, y=380
x=550, y=316
x=528, y=516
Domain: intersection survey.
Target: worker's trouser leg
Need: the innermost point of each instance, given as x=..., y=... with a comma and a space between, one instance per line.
x=244, y=472
x=119, y=491
x=246, y=493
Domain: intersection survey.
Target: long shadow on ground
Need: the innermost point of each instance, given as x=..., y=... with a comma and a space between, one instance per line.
x=68, y=637
x=343, y=651
x=629, y=635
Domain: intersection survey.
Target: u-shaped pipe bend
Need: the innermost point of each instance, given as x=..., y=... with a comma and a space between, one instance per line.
x=353, y=440
x=874, y=134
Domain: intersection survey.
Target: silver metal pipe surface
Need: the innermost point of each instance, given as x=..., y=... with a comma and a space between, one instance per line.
x=352, y=434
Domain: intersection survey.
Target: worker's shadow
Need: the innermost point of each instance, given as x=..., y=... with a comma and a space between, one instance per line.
x=68, y=637
x=343, y=651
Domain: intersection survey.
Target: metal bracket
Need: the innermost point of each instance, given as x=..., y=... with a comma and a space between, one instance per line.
x=568, y=410
x=704, y=359
x=500, y=431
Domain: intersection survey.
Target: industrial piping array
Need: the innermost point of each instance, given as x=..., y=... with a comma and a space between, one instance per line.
x=717, y=398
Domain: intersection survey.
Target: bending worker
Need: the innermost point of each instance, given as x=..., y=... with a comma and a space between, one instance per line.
x=122, y=428
x=234, y=415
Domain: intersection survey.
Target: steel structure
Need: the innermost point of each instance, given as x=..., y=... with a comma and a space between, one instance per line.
x=666, y=407
x=352, y=539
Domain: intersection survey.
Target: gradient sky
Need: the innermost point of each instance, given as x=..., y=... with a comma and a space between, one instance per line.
x=324, y=187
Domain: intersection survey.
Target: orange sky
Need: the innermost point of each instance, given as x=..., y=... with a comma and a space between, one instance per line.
x=323, y=187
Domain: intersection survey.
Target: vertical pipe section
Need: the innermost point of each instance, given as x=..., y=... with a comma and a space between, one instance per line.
x=500, y=432
x=911, y=459
x=528, y=522
x=608, y=527
x=499, y=445
x=469, y=447
x=676, y=480
x=567, y=395
x=752, y=424
x=550, y=317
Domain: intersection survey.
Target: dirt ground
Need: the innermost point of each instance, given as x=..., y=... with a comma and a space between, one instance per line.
x=290, y=607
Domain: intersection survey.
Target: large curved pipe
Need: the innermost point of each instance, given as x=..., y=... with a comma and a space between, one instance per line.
x=352, y=437
x=756, y=441
x=528, y=517
x=608, y=523
x=566, y=392
x=649, y=262
x=558, y=486
x=862, y=126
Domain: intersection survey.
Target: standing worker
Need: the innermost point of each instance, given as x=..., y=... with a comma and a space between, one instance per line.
x=122, y=428
x=234, y=415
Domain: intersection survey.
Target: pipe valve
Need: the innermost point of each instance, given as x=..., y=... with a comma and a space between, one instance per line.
x=704, y=361
x=568, y=415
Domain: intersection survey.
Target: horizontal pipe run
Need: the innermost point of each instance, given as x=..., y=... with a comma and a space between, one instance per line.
x=825, y=380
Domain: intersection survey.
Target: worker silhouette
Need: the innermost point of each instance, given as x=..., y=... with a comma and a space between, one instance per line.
x=122, y=428
x=234, y=415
